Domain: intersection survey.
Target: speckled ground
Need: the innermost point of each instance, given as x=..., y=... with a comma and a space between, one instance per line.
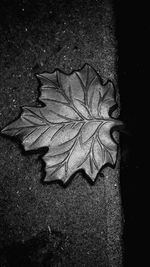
x=48, y=225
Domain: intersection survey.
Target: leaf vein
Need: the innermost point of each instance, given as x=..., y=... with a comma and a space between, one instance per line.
x=35, y=114
x=57, y=132
x=47, y=79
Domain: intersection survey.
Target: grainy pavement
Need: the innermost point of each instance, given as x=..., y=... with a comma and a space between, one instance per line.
x=48, y=225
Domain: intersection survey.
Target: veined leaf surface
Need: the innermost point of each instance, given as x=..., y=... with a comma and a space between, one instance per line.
x=75, y=123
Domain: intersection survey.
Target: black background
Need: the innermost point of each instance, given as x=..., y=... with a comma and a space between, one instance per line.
x=133, y=30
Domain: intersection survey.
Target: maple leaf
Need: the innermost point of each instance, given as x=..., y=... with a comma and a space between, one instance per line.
x=75, y=123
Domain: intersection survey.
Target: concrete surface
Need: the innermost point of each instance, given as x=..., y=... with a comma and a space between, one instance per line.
x=48, y=225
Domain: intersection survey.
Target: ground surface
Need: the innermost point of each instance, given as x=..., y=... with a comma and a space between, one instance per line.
x=48, y=225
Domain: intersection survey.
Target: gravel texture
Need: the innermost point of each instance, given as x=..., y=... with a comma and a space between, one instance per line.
x=51, y=225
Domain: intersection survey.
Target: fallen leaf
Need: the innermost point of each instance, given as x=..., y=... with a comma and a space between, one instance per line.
x=75, y=123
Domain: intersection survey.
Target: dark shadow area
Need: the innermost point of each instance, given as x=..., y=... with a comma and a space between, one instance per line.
x=44, y=249
x=133, y=30
x=80, y=172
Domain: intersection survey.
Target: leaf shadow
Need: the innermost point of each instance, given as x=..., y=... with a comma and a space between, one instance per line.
x=81, y=172
x=75, y=175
